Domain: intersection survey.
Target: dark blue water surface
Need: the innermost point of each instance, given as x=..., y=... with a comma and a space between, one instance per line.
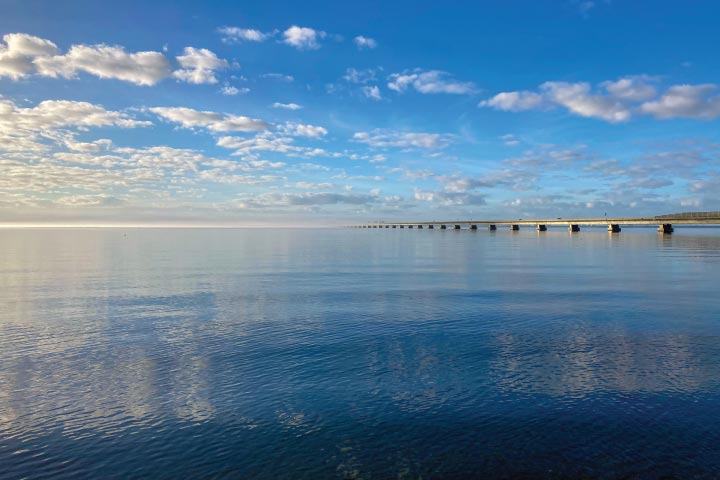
x=374, y=354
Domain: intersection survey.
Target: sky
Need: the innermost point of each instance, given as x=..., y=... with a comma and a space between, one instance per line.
x=247, y=113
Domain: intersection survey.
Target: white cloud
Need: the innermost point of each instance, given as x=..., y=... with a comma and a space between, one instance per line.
x=300, y=130
x=230, y=90
x=309, y=199
x=314, y=186
x=199, y=65
x=216, y=122
x=510, y=140
x=16, y=56
x=449, y=198
x=686, y=101
x=287, y=106
x=576, y=97
x=220, y=176
x=24, y=44
x=303, y=38
x=94, y=146
x=246, y=146
x=47, y=177
x=624, y=96
x=237, y=35
x=280, y=140
x=88, y=158
x=514, y=101
x=365, y=42
x=179, y=159
x=390, y=138
x=88, y=200
x=278, y=76
x=372, y=92
x=353, y=75
x=105, y=61
x=413, y=175
x=20, y=127
x=634, y=88
x=515, y=179
x=433, y=81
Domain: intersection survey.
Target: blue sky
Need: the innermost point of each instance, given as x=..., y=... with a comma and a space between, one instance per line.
x=296, y=113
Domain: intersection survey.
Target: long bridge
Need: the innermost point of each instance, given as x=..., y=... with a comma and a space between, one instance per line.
x=665, y=222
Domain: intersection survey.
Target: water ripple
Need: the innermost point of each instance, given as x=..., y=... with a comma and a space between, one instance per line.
x=356, y=354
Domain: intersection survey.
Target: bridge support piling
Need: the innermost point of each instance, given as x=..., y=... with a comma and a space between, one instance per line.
x=514, y=227
x=431, y=227
x=573, y=228
x=457, y=227
x=443, y=227
x=666, y=228
x=420, y=226
x=614, y=228
x=541, y=228
x=492, y=227
x=402, y=226
x=473, y=227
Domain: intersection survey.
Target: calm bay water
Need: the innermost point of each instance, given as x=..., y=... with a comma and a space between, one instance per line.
x=359, y=354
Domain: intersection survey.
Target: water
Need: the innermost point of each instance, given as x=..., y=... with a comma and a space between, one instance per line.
x=286, y=354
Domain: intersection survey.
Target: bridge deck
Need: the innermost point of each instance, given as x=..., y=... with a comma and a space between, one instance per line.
x=691, y=218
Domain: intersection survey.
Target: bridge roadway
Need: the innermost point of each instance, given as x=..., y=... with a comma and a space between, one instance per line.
x=664, y=222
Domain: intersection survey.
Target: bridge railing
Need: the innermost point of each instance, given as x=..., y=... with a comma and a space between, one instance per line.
x=690, y=215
